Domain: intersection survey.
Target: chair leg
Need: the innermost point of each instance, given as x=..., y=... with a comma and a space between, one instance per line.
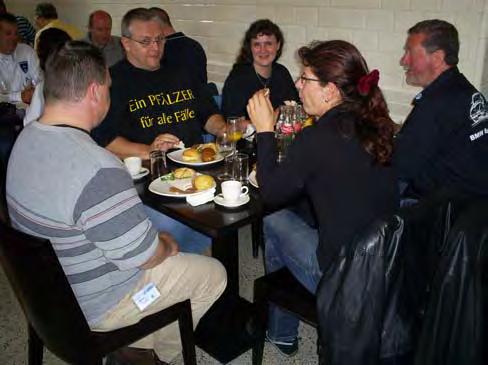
x=185, y=322
x=261, y=307
x=257, y=236
x=35, y=347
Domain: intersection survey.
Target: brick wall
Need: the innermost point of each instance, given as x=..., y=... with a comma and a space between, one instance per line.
x=376, y=27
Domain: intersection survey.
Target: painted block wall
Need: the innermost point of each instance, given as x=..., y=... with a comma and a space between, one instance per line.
x=377, y=27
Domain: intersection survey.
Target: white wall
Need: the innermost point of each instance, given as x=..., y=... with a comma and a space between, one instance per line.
x=376, y=27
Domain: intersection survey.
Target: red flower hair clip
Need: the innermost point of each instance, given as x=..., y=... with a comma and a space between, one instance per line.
x=368, y=81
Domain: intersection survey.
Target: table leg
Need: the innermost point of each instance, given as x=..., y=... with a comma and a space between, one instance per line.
x=225, y=249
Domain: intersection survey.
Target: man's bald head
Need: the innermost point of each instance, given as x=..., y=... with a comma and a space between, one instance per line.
x=100, y=27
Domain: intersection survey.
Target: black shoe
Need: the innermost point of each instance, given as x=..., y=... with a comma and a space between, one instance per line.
x=287, y=349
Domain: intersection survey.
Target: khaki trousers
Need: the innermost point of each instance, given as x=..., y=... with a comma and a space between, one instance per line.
x=184, y=276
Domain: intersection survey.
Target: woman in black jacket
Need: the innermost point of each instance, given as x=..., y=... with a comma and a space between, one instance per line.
x=341, y=163
x=257, y=68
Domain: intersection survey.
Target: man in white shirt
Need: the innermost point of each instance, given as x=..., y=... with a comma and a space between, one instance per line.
x=19, y=66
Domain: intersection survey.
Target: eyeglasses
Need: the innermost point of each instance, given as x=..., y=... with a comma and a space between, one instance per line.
x=146, y=42
x=304, y=79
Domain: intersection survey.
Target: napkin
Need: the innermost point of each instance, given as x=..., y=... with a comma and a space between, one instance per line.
x=249, y=132
x=201, y=198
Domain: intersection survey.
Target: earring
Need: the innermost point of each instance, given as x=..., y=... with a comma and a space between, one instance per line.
x=326, y=100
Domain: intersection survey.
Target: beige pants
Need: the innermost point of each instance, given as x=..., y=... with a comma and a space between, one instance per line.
x=184, y=276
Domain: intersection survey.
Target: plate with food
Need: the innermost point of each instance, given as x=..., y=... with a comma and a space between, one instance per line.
x=197, y=155
x=181, y=183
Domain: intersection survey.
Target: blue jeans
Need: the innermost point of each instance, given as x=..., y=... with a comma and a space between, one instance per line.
x=290, y=242
x=188, y=239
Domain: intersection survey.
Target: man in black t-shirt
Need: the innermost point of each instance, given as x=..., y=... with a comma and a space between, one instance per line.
x=443, y=144
x=153, y=106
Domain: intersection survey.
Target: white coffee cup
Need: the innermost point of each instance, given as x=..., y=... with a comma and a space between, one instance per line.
x=133, y=165
x=233, y=190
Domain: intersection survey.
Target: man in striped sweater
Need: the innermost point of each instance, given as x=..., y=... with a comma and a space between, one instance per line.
x=61, y=185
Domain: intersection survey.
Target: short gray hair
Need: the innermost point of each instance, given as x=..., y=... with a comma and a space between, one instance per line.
x=71, y=69
x=141, y=14
x=439, y=34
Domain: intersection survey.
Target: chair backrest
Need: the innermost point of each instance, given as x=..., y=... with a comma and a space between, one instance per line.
x=44, y=293
x=370, y=303
x=455, y=327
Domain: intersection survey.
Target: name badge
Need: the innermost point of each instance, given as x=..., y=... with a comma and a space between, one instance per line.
x=144, y=297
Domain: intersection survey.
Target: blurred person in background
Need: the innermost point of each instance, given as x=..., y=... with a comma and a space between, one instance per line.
x=100, y=35
x=49, y=41
x=24, y=27
x=19, y=65
x=46, y=16
x=181, y=50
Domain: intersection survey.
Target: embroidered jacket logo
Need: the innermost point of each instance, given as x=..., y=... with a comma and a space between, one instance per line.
x=24, y=66
x=479, y=109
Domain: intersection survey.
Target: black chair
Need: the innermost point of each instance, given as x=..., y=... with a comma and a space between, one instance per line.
x=54, y=316
x=454, y=327
x=382, y=236
x=282, y=289
x=410, y=287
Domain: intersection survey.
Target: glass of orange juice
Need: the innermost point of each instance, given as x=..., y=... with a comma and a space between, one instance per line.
x=235, y=129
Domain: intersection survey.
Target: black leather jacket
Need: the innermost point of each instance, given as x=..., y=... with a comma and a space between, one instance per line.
x=413, y=283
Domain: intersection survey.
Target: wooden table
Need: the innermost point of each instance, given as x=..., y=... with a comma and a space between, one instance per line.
x=227, y=330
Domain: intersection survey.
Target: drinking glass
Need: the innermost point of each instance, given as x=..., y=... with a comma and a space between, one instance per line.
x=235, y=129
x=228, y=172
x=283, y=141
x=158, y=164
x=241, y=167
x=224, y=144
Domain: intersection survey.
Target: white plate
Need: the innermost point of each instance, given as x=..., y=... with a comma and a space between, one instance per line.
x=252, y=179
x=219, y=199
x=161, y=187
x=177, y=156
x=144, y=171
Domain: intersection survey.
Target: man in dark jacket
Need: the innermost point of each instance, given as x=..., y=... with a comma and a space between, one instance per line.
x=181, y=50
x=444, y=141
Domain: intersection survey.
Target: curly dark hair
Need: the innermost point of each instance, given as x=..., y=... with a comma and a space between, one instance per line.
x=341, y=63
x=261, y=26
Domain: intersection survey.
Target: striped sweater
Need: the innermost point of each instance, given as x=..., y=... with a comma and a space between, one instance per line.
x=62, y=186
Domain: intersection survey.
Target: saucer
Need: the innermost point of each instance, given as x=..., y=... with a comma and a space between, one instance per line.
x=143, y=172
x=219, y=199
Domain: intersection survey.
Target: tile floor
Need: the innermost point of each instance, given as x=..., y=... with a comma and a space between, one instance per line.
x=13, y=329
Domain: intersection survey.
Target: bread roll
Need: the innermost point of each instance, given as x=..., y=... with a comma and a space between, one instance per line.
x=211, y=145
x=191, y=155
x=183, y=172
x=203, y=182
x=208, y=154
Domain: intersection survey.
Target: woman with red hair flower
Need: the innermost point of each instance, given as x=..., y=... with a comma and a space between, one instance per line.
x=341, y=163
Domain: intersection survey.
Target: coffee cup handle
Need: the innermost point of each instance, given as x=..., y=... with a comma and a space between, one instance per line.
x=244, y=190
